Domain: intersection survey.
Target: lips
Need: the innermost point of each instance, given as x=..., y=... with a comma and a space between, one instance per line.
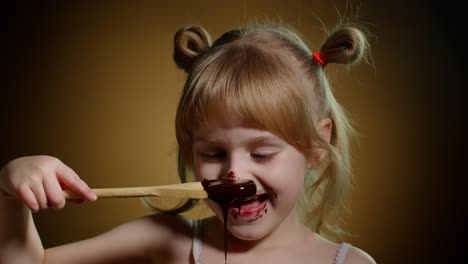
x=251, y=207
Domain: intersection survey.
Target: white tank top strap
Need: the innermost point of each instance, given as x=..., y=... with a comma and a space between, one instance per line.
x=341, y=253
x=196, y=241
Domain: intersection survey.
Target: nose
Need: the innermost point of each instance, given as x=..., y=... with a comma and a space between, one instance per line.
x=231, y=176
x=235, y=168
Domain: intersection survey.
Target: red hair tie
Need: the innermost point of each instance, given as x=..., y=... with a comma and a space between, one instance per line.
x=319, y=59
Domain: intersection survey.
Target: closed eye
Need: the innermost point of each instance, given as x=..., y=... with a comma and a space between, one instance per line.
x=210, y=156
x=263, y=157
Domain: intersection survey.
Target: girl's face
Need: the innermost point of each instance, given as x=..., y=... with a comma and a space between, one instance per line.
x=276, y=167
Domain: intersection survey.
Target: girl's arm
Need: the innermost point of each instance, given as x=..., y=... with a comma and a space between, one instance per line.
x=37, y=183
x=127, y=243
x=131, y=242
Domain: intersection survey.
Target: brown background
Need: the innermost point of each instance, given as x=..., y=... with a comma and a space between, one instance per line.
x=94, y=84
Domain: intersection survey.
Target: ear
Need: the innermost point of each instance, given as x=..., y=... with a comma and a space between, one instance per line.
x=324, y=128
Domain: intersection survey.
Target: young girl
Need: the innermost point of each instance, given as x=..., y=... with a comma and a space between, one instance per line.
x=257, y=103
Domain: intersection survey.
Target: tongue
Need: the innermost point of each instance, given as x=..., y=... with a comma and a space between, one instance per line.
x=249, y=205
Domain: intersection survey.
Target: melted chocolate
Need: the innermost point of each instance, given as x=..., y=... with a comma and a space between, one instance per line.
x=226, y=193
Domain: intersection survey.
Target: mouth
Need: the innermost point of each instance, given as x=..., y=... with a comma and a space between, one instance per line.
x=254, y=206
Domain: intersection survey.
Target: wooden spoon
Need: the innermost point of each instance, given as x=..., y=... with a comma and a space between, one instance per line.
x=181, y=190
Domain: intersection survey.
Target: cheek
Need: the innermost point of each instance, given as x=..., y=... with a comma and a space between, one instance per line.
x=288, y=177
x=291, y=181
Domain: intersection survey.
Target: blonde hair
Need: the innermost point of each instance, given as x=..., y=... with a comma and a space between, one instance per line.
x=264, y=75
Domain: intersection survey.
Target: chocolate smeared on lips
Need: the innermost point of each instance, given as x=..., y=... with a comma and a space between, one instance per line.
x=253, y=208
x=229, y=192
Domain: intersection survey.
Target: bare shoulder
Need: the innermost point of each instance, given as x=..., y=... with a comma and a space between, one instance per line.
x=358, y=256
x=328, y=249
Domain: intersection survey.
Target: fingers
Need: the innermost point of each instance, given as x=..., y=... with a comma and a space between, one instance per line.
x=39, y=180
x=40, y=195
x=29, y=198
x=69, y=178
x=54, y=193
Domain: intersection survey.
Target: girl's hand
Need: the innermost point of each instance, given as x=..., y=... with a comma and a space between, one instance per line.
x=39, y=181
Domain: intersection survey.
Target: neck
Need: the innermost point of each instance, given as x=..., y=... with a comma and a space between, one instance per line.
x=290, y=231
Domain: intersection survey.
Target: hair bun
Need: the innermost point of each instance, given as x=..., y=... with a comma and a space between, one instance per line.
x=345, y=45
x=189, y=43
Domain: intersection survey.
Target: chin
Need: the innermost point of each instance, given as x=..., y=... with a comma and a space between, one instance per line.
x=249, y=231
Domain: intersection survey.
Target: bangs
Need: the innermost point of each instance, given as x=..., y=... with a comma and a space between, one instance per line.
x=242, y=85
